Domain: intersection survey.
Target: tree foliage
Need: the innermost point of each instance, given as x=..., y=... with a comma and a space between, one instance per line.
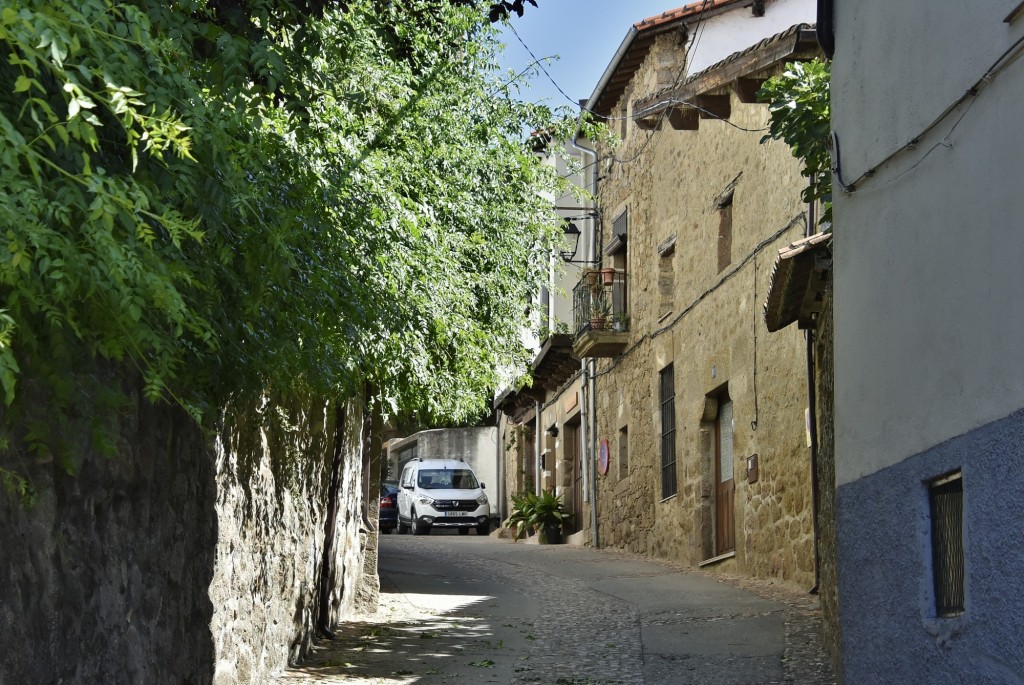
x=798, y=102
x=232, y=197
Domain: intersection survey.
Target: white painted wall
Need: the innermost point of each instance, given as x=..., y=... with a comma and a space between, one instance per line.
x=929, y=282
x=720, y=36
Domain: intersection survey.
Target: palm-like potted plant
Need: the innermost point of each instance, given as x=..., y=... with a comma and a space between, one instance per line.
x=543, y=513
x=599, y=311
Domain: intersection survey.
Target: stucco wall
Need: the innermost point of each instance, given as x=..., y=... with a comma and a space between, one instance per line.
x=890, y=633
x=928, y=275
x=717, y=38
x=180, y=558
x=712, y=330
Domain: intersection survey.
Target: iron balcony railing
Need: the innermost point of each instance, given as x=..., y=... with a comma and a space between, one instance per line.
x=598, y=305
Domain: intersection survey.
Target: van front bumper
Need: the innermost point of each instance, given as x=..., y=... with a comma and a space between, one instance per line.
x=467, y=520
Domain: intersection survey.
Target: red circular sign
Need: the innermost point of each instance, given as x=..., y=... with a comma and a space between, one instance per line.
x=602, y=457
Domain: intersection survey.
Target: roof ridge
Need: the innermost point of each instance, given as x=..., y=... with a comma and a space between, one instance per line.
x=680, y=13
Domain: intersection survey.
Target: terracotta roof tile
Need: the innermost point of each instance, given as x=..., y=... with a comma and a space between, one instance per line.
x=694, y=8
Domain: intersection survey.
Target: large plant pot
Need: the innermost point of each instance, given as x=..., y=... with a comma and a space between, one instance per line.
x=607, y=275
x=551, y=535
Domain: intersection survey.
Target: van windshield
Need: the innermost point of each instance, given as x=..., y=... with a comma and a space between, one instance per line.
x=447, y=479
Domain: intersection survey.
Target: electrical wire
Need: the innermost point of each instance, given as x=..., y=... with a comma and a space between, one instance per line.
x=946, y=142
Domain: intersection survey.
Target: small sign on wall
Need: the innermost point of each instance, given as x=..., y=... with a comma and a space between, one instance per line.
x=752, y=472
x=603, y=457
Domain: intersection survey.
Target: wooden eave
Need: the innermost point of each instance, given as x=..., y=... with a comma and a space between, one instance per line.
x=700, y=96
x=798, y=283
x=555, y=363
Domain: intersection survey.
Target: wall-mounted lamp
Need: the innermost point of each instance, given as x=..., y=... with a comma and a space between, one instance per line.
x=552, y=431
x=572, y=239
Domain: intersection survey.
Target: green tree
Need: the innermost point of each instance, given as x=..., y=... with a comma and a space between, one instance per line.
x=231, y=197
x=798, y=102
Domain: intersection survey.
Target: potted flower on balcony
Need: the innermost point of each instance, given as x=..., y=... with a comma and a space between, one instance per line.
x=591, y=275
x=608, y=275
x=599, y=312
x=620, y=322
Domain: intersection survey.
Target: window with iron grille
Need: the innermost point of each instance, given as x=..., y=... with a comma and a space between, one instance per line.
x=668, y=432
x=946, y=501
x=620, y=226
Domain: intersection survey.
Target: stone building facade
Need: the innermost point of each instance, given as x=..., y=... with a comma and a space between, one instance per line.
x=701, y=416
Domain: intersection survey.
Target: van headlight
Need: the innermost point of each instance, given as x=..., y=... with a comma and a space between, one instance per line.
x=423, y=499
x=482, y=499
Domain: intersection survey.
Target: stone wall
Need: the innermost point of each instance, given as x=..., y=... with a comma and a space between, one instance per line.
x=708, y=323
x=828, y=574
x=182, y=557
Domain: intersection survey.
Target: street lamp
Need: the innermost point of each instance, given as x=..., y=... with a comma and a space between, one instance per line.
x=572, y=238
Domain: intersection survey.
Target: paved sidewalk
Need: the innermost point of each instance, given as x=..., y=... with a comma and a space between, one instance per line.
x=481, y=610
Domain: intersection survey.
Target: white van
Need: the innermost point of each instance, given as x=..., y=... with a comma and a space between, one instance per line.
x=444, y=493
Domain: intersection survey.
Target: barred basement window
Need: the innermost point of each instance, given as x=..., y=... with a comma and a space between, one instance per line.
x=946, y=500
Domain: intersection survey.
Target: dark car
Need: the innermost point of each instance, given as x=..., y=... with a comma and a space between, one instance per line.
x=388, y=520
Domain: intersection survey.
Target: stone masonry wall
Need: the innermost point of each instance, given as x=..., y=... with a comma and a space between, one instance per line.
x=180, y=558
x=709, y=324
x=828, y=563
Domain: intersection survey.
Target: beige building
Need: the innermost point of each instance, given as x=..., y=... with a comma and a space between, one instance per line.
x=684, y=420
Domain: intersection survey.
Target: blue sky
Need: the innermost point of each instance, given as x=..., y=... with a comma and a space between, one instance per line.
x=583, y=33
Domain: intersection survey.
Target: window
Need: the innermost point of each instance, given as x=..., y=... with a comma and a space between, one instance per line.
x=623, y=452
x=723, y=203
x=666, y=275
x=725, y=232
x=946, y=502
x=668, y=432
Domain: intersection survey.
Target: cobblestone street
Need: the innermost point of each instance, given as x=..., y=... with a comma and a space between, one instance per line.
x=482, y=610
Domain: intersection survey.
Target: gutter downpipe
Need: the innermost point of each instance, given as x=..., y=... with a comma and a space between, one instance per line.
x=812, y=414
x=587, y=368
x=538, y=429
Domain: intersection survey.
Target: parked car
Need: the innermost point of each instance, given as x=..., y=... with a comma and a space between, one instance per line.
x=388, y=519
x=444, y=493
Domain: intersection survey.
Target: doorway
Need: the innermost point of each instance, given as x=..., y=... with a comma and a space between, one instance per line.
x=725, y=483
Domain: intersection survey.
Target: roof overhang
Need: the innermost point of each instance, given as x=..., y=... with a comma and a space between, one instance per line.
x=555, y=363
x=700, y=97
x=637, y=43
x=552, y=368
x=799, y=282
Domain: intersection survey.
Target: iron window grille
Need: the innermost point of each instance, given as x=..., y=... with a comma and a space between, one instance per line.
x=946, y=501
x=668, y=432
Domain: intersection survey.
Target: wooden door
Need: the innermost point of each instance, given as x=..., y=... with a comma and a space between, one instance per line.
x=573, y=456
x=725, y=486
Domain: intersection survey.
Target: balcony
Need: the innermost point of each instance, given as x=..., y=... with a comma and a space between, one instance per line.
x=601, y=322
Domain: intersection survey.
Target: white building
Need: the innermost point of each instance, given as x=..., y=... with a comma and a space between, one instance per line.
x=929, y=364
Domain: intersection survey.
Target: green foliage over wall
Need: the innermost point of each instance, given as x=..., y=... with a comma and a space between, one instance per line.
x=799, y=106
x=231, y=197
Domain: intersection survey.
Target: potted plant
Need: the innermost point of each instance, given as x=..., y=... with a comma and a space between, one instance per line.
x=591, y=275
x=608, y=275
x=599, y=311
x=620, y=322
x=549, y=514
x=543, y=514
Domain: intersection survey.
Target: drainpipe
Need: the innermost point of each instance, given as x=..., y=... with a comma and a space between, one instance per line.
x=536, y=448
x=588, y=368
x=812, y=413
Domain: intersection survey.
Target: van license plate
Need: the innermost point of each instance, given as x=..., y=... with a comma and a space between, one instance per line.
x=453, y=513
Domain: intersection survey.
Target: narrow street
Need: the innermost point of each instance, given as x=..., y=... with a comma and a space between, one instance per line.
x=466, y=609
